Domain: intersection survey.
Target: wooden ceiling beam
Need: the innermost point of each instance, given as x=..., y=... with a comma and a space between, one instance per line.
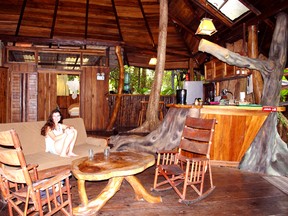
x=59, y=41
x=119, y=29
x=54, y=18
x=209, y=9
x=148, y=51
x=20, y=17
x=86, y=19
x=117, y=20
x=283, y=5
x=146, y=24
x=181, y=35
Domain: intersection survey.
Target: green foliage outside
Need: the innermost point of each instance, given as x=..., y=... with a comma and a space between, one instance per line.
x=141, y=80
x=284, y=92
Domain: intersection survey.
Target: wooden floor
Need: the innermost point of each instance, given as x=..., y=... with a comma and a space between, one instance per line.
x=236, y=193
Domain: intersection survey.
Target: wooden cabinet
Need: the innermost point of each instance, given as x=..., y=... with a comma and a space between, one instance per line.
x=216, y=70
x=209, y=70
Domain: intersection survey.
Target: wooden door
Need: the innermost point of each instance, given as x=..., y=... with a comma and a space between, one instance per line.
x=22, y=98
x=3, y=94
x=94, y=98
x=47, y=94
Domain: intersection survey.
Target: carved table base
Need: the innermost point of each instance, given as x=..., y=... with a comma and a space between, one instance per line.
x=94, y=205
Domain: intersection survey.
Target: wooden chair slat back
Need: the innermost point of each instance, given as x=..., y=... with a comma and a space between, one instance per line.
x=197, y=135
x=13, y=163
x=9, y=157
x=6, y=138
x=14, y=175
x=194, y=147
x=200, y=123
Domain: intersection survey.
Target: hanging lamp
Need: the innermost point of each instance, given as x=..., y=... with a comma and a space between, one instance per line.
x=153, y=61
x=206, y=27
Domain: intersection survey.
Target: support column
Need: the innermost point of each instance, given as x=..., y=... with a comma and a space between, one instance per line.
x=253, y=53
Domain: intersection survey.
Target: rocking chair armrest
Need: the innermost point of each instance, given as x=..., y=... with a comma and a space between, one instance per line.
x=32, y=168
x=47, y=183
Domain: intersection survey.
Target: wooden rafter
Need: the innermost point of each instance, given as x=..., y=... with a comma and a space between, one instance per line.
x=181, y=35
x=145, y=50
x=20, y=17
x=117, y=20
x=209, y=9
x=119, y=27
x=146, y=24
x=72, y=42
x=54, y=18
x=86, y=18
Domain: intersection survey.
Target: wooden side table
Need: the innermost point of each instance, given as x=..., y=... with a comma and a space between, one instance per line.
x=116, y=167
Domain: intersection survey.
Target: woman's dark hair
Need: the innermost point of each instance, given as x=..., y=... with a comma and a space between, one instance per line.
x=50, y=122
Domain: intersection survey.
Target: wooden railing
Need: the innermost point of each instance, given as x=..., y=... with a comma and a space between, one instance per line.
x=128, y=115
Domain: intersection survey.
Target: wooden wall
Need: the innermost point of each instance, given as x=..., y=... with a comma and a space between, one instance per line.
x=240, y=84
x=94, y=98
x=32, y=94
x=3, y=94
x=22, y=93
x=47, y=94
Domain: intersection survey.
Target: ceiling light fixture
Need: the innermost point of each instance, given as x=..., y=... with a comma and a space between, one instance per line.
x=153, y=61
x=206, y=27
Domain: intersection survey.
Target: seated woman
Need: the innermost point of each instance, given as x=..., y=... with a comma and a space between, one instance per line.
x=59, y=138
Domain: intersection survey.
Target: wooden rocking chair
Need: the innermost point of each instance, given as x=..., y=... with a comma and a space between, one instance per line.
x=189, y=164
x=20, y=187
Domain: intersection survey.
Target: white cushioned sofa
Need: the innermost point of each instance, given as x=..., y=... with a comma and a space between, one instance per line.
x=33, y=144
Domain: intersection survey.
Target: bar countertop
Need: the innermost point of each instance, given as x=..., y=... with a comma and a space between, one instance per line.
x=236, y=128
x=250, y=107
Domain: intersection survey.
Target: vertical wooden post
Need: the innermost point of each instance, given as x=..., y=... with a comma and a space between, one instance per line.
x=191, y=70
x=120, y=89
x=1, y=54
x=253, y=53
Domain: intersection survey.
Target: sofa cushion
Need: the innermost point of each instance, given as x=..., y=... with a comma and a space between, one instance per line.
x=29, y=134
x=33, y=144
x=78, y=124
x=47, y=160
x=31, y=139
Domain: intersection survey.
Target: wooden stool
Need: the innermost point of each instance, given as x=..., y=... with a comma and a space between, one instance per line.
x=144, y=105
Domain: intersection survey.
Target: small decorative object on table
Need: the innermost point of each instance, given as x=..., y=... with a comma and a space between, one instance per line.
x=90, y=154
x=198, y=102
x=107, y=152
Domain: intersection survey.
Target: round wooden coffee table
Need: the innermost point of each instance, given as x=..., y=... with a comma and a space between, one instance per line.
x=116, y=167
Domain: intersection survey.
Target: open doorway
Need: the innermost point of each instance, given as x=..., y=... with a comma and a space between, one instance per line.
x=68, y=94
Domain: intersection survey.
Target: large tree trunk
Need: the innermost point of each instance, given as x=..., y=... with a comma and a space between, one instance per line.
x=166, y=137
x=152, y=119
x=267, y=153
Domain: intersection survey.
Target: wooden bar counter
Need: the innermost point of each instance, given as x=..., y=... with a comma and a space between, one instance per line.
x=236, y=128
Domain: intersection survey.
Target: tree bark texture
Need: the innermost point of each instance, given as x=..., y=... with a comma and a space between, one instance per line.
x=120, y=89
x=166, y=137
x=152, y=119
x=268, y=153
